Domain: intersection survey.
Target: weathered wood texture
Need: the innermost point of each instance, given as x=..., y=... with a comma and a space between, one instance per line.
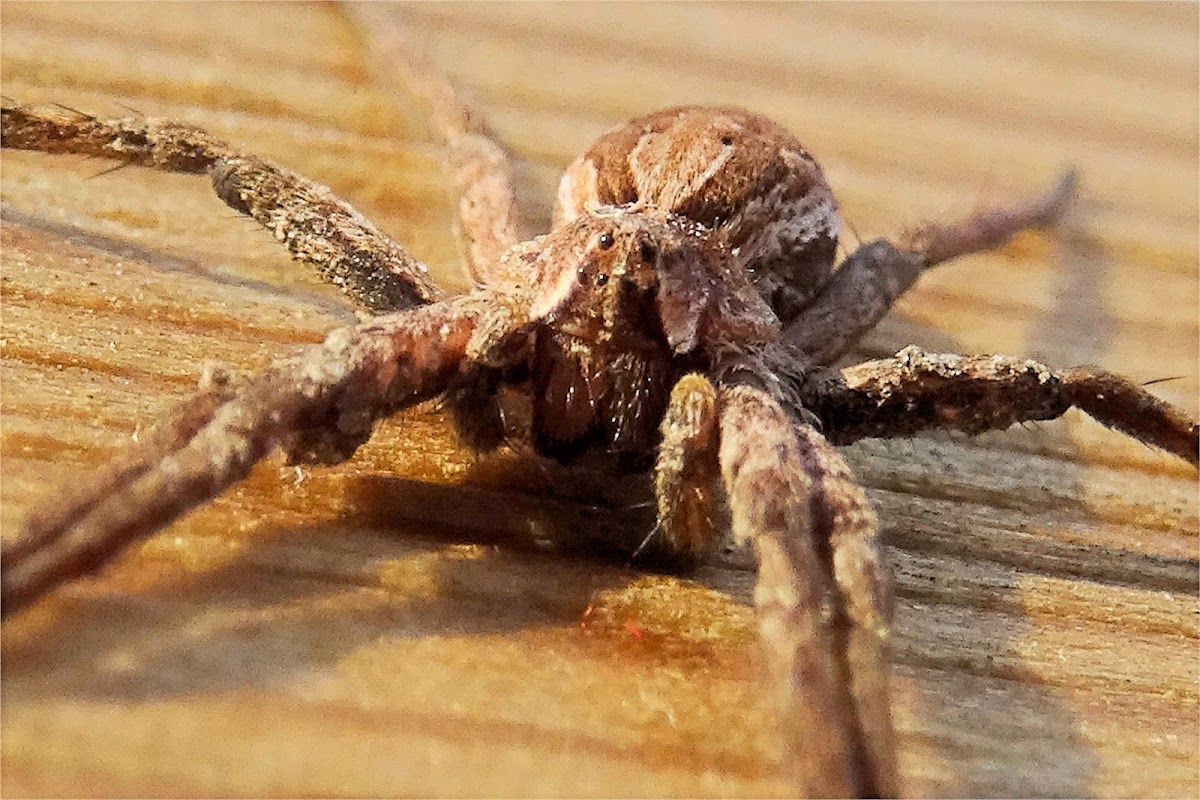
x=347, y=631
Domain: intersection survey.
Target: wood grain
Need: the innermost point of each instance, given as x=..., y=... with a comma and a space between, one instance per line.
x=391, y=626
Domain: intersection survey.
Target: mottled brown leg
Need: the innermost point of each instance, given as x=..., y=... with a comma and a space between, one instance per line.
x=874, y=276
x=317, y=406
x=819, y=581
x=842, y=515
x=916, y=391
x=168, y=434
x=479, y=167
x=685, y=473
x=318, y=228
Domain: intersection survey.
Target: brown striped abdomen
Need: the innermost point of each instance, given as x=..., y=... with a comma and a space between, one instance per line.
x=735, y=172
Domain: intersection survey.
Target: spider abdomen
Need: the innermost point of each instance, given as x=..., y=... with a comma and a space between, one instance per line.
x=736, y=173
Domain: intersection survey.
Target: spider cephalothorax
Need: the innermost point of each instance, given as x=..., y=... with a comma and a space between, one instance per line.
x=680, y=313
x=626, y=300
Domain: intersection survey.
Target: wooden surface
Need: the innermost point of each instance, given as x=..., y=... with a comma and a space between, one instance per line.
x=355, y=631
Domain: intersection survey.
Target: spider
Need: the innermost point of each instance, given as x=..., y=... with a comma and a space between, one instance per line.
x=678, y=318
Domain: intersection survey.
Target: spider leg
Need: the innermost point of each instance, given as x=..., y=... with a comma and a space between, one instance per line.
x=685, y=471
x=823, y=594
x=842, y=512
x=868, y=282
x=318, y=405
x=917, y=391
x=169, y=433
x=317, y=227
x=479, y=167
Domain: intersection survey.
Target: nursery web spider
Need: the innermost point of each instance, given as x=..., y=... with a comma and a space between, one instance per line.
x=677, y=318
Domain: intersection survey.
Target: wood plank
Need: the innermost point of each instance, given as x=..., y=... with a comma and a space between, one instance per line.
x=397, y=625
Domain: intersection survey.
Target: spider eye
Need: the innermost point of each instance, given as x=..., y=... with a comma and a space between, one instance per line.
x=647, y=251
x=606, y=241
x=600, y=280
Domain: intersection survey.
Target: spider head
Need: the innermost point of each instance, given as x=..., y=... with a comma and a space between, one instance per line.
x=629, y=273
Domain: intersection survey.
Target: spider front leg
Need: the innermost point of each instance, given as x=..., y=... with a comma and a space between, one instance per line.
x=316, y=406
x=918, y=391
x=864, y=580
x=317, y=227
x=823, y=594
